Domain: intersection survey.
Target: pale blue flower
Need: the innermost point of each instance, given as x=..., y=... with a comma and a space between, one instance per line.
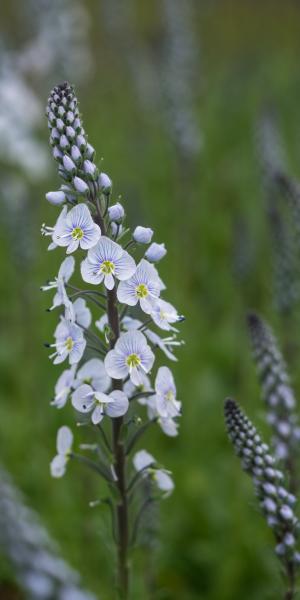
x=145, y=462
x=166, y=403
x=105, y=262
x=155, y=252
x=116, y=212
x=143, y=287
x=69, y=343
x=142, y=235
x=64, y=443
x=85, y=400
x=77, y=229
x=94, y=374
x=163, y=313
x=131, y=356
x=63, y=387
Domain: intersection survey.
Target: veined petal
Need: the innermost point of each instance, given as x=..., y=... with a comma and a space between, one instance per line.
x=64, y=440
x=79, y=216
x=115, y=365
x=119, y=406
x=126, y=293
x=89, y=272
x=77, y=351
x=97, y=415
x=83, y=314
x=125, y=266
x=72, y=245
x=109, y=282
x=91, y=236
x=131, y=342
x=83, y=398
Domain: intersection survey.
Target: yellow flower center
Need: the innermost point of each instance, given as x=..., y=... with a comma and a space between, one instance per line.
x=142, y=290
x=133, y=361
x=77, y=233
x=107, y=267
x=169, y=396
x=69, y=344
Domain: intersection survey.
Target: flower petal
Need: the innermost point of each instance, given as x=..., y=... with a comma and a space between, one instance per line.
x=83, y=398
x=119, y=406
x=115, y=365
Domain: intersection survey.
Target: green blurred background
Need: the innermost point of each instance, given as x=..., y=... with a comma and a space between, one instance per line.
x=213, y=544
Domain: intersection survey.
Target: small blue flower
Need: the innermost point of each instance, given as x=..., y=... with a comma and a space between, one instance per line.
x=69, y=342
x=85, y=400
x=76, y=229
x=144, y=287
x=130, y=356
x=105, y=262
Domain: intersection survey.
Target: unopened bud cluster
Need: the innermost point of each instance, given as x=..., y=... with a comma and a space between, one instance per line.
x=276, y=390
x=275, y=501
x=71, y=148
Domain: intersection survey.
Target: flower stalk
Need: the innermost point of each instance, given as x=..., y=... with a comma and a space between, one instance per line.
x=110, y=356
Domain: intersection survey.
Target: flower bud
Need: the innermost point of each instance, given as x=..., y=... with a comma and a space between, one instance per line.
x=105, y=183
x=116, y=212
x=286, y=513
x=80, y=185
x=56, y=197
x=75, y=153
x=68, y=164
x=142, y=235
x=89, y=168
x=155, y=252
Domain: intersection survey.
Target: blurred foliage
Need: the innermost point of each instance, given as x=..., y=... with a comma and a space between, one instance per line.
x=213, y=543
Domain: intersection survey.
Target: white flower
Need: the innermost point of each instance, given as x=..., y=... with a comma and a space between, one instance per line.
x=131, y=355
x=77, y=229
x=143, y=461
x=116, y=212
x=66, y=270
x=56, y=198
x=145, y=386
x=69, y=343
x=85, y=400
x=82, y=313
x=63, y=387
x=155, y=252
x=166, y=403
x=94, y=374
x=64, y=443
x=106, y=261
x=143, y=287
x=164, y=313
x=142, y=235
